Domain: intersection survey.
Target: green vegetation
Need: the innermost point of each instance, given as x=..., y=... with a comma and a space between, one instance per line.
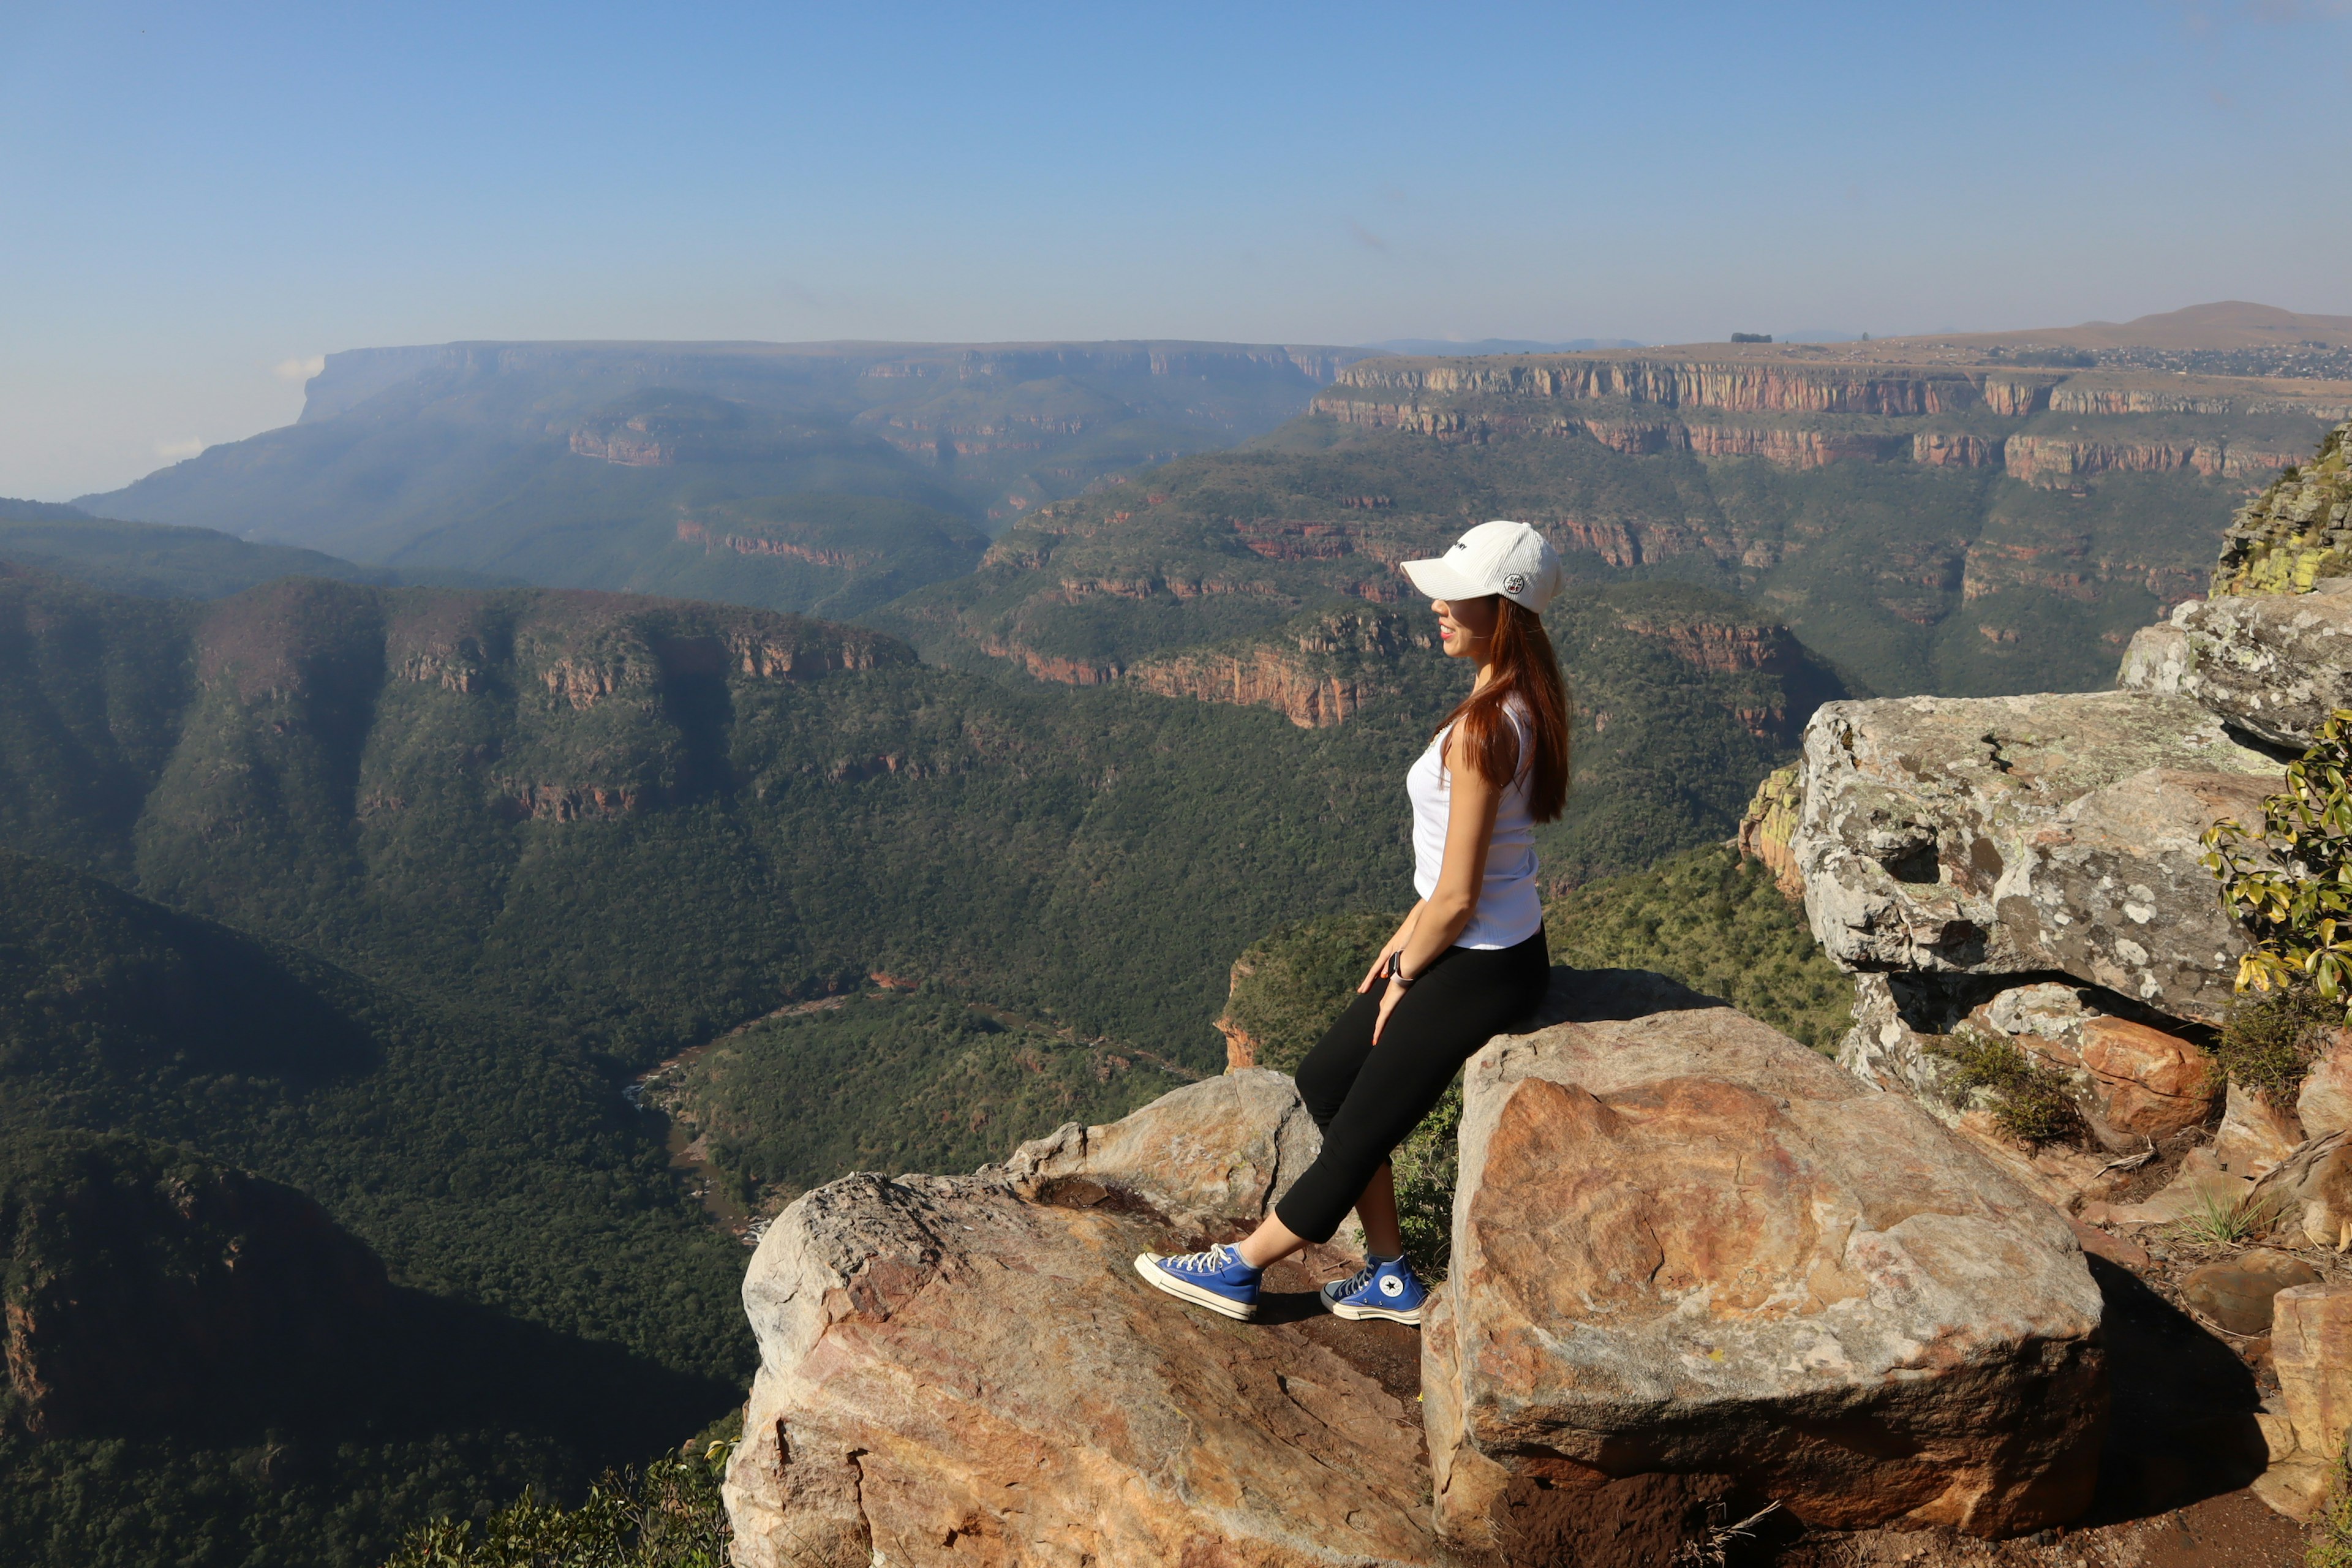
x=2030, y=1100
x=2331, y=1533
x=892, y=1083
x=1904, y=576
x=1720, y=925
x=1426, y=1166
x=156, y=561
x=2291, y=880
x=558, y=1305
x=2221, y=1220
x=669, y=1517
x=2269, y=1040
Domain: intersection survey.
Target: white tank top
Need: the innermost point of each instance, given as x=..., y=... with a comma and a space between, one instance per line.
x=1510, y=911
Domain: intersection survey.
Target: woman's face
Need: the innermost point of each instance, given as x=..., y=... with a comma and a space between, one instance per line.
x=1468, y=625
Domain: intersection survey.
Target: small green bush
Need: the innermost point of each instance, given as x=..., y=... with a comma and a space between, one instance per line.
x=1425, y=1165
x=2331, y=1532
x=669, y=1517
x=2291, y=881
x=2270, y=1039
x=2030, y=1100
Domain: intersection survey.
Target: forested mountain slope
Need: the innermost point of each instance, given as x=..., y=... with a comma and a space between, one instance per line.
x=555, y=1303
x=644, y=821
x=156, y=560
x=796, y=475
x=1957, y=518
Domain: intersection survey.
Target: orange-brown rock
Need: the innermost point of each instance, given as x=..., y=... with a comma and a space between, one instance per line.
x=1944, y=449
x=2325, y=1102
x=2144, y=1085
x=959, y=1370
x=2311, y=1350
x=1684, y=1243
x=2255, y=1137
x=2237, y=1292
x=2309, y=1195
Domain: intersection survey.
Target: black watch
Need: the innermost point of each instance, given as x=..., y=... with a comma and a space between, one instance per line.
x=1396, y=969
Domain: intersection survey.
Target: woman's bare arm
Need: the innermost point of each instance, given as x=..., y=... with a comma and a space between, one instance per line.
x=1469, y=833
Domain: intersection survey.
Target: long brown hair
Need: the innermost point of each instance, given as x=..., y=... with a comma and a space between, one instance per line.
x=1525, y=668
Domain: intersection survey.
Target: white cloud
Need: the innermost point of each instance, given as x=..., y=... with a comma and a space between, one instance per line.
x=174, y=451
x=301, y=369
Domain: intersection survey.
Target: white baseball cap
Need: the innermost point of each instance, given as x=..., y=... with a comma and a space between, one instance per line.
x=1507, y=558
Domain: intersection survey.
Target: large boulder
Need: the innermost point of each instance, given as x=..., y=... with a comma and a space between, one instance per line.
x=2275, y=665
x=1684, y=1244
x=966, y=1369
x=2027, y=834
x=1225, y=1146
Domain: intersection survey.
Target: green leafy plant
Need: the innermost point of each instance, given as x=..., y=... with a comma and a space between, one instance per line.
x=670, y=1516
x=2291, y=881
x=2031, y=1102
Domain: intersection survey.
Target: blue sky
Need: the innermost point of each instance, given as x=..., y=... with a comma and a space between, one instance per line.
x=195, y=200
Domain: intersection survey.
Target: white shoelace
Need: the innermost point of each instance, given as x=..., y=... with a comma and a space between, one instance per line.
x=1210, y=1262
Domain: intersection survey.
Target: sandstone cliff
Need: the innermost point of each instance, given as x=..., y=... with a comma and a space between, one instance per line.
x=2040, y=954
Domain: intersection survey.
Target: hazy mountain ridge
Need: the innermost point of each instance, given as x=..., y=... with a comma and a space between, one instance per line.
x=578, y=464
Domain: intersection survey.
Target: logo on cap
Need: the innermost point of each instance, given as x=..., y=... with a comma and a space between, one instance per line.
x=1516, y=583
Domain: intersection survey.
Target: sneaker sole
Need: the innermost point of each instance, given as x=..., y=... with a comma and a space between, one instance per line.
x=1355, y=1314
x=1159, y=1279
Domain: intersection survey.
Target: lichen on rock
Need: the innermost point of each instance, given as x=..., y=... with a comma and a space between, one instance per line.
x=2298, y=531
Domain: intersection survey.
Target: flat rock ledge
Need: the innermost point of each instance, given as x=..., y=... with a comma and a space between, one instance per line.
x=1686, y=1245
x=966, y=1369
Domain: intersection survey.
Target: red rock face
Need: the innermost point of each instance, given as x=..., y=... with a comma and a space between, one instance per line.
x=1683, y=1244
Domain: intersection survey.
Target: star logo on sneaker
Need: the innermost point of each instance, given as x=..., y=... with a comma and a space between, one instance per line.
x=1391, y=1286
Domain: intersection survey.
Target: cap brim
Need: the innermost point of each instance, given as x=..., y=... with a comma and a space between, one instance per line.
x=1440, y=581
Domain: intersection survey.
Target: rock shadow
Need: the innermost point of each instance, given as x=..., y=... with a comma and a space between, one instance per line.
x=2182, y=1422
x=1612, y=995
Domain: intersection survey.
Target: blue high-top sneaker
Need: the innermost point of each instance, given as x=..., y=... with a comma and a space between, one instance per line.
x=1382, y=1288
x=1217, y=1279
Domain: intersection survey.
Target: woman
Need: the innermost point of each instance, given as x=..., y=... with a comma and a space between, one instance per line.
x=1467, y=962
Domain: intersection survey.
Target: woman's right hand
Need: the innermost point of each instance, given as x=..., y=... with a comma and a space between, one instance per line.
x=1373, y=976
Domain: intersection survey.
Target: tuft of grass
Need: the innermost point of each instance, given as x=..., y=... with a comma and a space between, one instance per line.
x=2270, y=1039
x=2221, y=1222
x=2031, y=1101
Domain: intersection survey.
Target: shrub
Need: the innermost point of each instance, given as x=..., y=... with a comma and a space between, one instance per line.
x=2270, y=1039
x=2031, y=1102
x=669, y=1517
x=1425, y=1165
x=2331, y=1532
x=2291, y=881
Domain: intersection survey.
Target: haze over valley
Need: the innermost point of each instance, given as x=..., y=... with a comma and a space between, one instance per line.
x=627, y=651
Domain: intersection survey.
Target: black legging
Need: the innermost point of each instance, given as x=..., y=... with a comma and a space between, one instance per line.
x=1368, y=1098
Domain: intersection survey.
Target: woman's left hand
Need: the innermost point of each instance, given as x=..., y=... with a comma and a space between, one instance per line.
x=1389, y=997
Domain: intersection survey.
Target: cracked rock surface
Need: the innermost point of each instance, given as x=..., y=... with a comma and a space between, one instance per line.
x=1685, y=1243
x=966, y=1369
x=2275, y=665
x=2025, y=835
